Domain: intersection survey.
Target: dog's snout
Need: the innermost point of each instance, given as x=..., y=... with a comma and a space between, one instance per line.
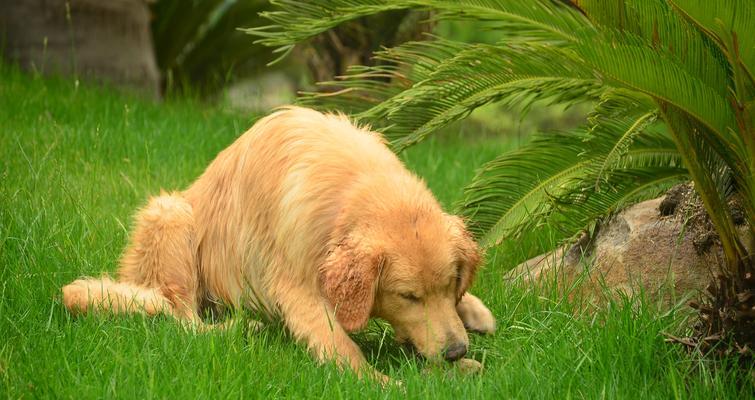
x=455, y=351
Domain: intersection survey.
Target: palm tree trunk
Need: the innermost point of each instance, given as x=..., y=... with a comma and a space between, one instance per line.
x=104, y=40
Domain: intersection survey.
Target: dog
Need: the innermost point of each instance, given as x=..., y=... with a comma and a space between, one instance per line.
x=315, y=221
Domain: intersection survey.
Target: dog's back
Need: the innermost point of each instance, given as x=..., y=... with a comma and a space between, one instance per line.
x=267, y=207
x=258, y=221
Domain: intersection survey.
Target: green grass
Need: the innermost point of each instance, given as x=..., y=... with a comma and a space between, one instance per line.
x=77, y=161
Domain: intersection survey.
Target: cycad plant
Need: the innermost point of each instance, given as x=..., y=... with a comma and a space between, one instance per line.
x=198, y=45
x=673, y=88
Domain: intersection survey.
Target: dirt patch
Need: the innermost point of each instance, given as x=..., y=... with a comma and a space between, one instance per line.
x=684, y=204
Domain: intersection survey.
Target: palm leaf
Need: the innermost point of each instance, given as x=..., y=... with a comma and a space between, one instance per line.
x=729, y=23
x=295, y=21
x=398, y=69
x=550, y=182
x=478, y=75
x=655, y=28
x=625, y=130
x=634, y=159
x=429, y=85
x=659, y=75
x=543, y=21
x=640, y=59
x=577, y=209
x=706, y=169
x=656, y=25
x=198, y=46
x=508, y=194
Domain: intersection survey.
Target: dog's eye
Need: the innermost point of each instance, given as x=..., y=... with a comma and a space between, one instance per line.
x=410, y=296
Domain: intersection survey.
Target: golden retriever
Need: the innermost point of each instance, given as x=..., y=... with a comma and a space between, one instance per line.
x=315, y=221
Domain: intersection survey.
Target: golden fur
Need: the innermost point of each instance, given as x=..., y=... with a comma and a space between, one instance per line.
x=313, y=220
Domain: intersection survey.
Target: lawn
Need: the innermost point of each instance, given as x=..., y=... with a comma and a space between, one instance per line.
x=77, y=161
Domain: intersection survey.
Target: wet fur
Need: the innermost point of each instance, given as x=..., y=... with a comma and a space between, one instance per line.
x=313, y=220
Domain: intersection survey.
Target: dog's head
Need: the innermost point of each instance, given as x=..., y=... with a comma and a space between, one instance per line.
x=410, y=270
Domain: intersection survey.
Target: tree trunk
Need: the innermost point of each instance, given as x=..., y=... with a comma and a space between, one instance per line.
x=104, y=40
x=329, y=54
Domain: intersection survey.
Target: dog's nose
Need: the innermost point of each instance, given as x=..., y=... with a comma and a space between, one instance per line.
x=455, y=351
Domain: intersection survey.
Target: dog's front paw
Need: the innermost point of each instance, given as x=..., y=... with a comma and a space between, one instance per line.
x=384, y=380
x=464, y=366
x=475, y=316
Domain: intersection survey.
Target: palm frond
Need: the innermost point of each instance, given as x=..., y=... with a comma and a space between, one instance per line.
x=706, y=169
x=627, y=129
x=577, y=209
x=295, y=21
x=530, y=21
x=398, y=69
x=197, y=45
x=729, y=23
x=698, y=79
x=634, y=159
x=672, y=80
x=551, y=181
x=509, y=194
x=428, y=85
x=656, y=25
x=478, y=75
x=659, y=75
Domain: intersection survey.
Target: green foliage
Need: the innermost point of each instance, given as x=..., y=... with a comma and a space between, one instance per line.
x=198, y=45
x=671, y=83
x=77, y=161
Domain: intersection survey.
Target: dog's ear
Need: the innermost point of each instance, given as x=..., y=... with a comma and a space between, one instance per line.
x=468, y=254
x=348, y=278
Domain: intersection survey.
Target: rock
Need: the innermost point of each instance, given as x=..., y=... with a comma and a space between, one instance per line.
x=261, y=93
x=646, y=246
x=468, y=366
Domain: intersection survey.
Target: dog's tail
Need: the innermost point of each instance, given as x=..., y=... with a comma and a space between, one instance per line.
x=104, y=294
x=157, y=272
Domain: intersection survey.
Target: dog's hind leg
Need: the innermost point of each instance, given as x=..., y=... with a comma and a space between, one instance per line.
x=162, y=253
x=95, y=294
x=158, y=271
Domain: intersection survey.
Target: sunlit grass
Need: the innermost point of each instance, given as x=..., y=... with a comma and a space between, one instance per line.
x=77, y=161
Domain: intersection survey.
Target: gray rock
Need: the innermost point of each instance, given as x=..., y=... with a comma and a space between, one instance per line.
x=637, y=249
x=263, y=93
